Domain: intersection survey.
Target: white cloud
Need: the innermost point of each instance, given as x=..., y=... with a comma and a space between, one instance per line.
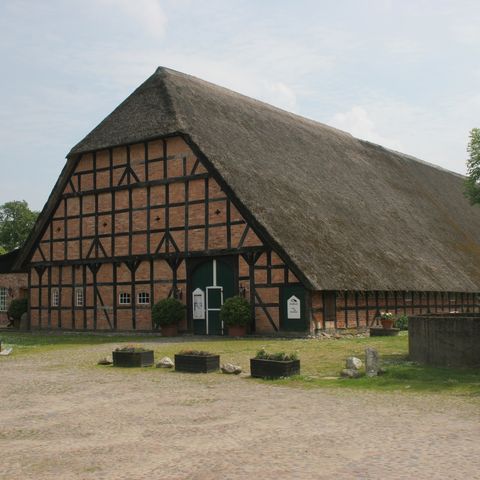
x=360, y=124
x=283, y=96
x=466, y=33
x=148, y=13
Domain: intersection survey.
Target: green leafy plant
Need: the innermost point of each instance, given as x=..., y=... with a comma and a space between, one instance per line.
x=131, y=349
x=168, y=311
x=386, y=316
x=402, y=322
x=235, y=311
x=17, y=308
x=279, y=356
x=198, y=353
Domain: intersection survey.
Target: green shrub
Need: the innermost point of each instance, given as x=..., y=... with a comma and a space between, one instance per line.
x=235, y=311
x=17, y=308
x=280, y=356
x=402, y=322
x=168, y=312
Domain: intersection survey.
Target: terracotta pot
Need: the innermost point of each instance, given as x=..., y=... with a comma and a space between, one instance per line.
x=387, y=323
x=170, y=330
x=237, y=330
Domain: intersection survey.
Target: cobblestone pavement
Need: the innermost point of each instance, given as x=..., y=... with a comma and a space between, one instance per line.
x=82, y=422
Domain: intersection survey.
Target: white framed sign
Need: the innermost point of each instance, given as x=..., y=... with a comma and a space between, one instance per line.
x=293, y=308
x=198, y=303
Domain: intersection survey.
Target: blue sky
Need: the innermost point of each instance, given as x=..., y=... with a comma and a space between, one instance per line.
x=404, y=74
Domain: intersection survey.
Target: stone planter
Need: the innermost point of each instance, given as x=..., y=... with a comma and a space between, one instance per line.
x=261, y=368
x=237, y=330
x=133, y=358
x=197, y=363
x=170, y=330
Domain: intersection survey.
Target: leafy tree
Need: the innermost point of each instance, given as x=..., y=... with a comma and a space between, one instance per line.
x=472, y=183
x=16, y=223
x=2, y=250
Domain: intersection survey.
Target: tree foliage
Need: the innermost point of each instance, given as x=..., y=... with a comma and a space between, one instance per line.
x=16, y=223
x=472, y=183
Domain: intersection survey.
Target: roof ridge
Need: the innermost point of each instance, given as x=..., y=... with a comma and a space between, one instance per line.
x=170, y=71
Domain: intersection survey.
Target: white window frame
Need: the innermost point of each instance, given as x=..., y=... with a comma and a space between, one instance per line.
x=122, y=298
x=55, y=297
x=143, y=298
x=79, y=297
x=3, y=299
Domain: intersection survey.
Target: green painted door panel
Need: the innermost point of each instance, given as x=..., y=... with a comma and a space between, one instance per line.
x=293, y=313
x=202, y=277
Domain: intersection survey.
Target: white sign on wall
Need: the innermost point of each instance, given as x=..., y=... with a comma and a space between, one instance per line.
x=198, y=304
x=293, y=308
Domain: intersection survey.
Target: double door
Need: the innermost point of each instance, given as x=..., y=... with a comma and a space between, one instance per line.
x=212, y=283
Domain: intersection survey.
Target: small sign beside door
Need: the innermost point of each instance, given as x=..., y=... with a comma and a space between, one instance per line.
x=198, y=304
x=293, y=308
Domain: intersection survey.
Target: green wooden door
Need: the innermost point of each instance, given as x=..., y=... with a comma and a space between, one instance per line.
x=293, y=313
x=212, y=282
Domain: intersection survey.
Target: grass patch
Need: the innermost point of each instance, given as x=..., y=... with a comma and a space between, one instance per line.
x=321, y=360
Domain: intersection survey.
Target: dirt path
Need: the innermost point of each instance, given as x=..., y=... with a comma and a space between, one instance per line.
x=103, y=423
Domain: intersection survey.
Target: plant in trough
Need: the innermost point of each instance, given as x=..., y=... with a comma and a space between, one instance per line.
x=235, y=311
x=279, y=356
x=131, y=349
x=168, y=311
x=198, y=353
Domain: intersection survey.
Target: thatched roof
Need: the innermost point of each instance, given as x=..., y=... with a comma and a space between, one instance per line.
x=347, y=213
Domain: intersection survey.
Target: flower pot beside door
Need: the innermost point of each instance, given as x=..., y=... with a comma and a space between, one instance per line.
x=235, y=316
x=166, y=314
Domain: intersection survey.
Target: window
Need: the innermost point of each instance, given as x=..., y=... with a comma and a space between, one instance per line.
x=55, y=297
x=3, y=299
x=124, y=298
x=143, y=298
x=79, y=297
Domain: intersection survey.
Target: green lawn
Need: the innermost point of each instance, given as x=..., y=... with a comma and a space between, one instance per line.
x=321, y=360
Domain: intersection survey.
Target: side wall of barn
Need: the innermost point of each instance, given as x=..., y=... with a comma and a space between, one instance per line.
x=358, y=309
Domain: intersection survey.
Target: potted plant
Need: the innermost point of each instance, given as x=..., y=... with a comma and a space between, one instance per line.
x=274, y=365
x=131, y=356
x=387, y=319
x=16, y=309
x=166, y=314
x=235, y=314
x=196, y=361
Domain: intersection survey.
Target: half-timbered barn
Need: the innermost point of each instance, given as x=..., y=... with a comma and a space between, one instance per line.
x=190, y=190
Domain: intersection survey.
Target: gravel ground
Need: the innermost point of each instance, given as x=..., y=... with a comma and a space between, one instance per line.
x=84, y=422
